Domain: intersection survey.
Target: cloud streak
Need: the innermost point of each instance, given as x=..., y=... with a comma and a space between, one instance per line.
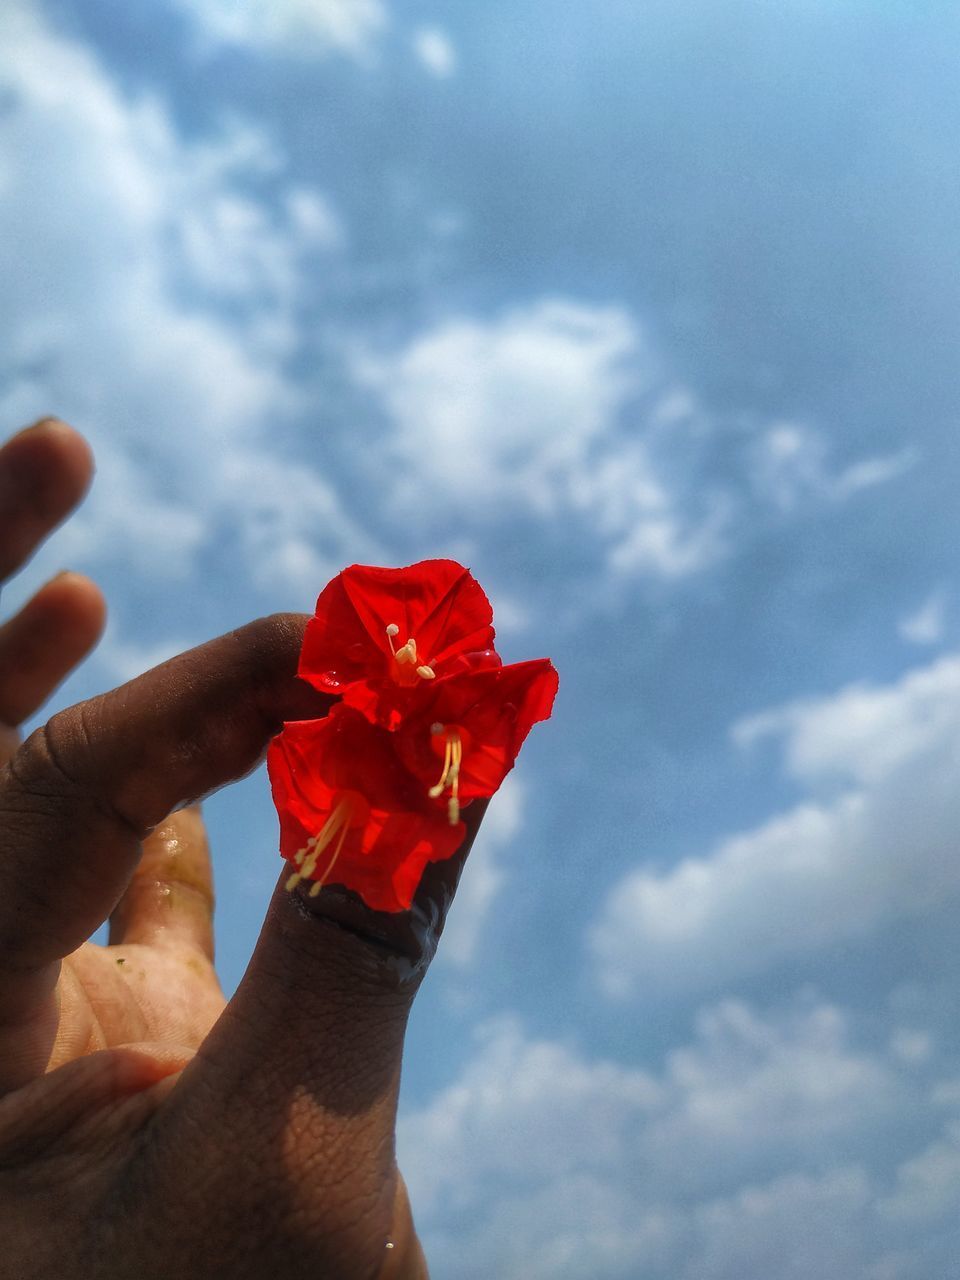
x=873, y=844
x=290, y=28
x=540, y=1161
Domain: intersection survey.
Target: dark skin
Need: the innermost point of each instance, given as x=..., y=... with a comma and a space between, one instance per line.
x=148, y=1128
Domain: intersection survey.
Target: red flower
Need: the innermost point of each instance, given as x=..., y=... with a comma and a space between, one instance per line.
x=350, y=814
x=429, y=720
x=465, y=733
x=379, y=635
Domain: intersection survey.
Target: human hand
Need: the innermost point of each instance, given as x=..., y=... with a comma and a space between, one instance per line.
x=134, y=1140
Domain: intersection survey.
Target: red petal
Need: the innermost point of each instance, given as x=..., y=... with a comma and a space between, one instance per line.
x=438, y=602
x=313, y=762
x=494, y=710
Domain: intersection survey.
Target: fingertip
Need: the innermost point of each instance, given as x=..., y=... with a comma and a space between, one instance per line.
x=78, y=605
x=45, y=470
x=170, y=898
x=59, y=456
x=54, y=631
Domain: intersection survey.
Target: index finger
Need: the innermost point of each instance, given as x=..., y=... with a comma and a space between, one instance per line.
x=82, y=792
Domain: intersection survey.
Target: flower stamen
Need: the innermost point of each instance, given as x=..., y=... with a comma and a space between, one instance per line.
x=407, y=655
x=450, y=777
x=337, y=824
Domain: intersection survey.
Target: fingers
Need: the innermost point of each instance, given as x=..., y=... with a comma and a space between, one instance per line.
x=44, y=472
x=169, y=900
x=41, y=1113
x=299, y=1080
x=79, y=796
x=42, y=644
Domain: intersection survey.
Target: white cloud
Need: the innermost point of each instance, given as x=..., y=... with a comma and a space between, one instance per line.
x=532, y=1109
x=294, y=532
x=542, y=1162
x=126, y=520
x=524, y=414
x=873, y=843
x=313, y=216
x=521, y=398
x=435, y=50
x=791, y=464
x=865, y=733
x=928, y=623
x=293, y=28
x=797, y=1226
x=151, y=294
x=928, y=1185
x=911, y=1045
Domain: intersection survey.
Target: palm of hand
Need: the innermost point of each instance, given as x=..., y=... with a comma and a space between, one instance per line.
x=155, y=982
x=119, y=995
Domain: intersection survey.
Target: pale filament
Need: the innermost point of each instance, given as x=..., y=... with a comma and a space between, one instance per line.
x=335, y=828
x=450, y=777
x=408, y=653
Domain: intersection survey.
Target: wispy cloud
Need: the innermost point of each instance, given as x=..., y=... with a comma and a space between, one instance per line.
x=151, y=290
x=435, y=50
x=873, y=843
x=541, y=1161
x=292, y=28
x=529, y=414
x=791, y=465
x=927, y=624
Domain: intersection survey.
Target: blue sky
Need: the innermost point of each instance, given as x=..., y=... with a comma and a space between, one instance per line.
x=650, y=314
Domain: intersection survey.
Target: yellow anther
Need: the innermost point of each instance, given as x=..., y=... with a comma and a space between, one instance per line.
x=408, y=653
x=450, y=777
x=438, y=788
x=336, y=827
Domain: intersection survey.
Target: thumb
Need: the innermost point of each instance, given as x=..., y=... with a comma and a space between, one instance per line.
x=299, y=1079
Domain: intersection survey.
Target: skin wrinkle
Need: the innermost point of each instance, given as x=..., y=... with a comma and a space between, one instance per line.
x=82, y=1092
x=27, y=886
x=248, y=1101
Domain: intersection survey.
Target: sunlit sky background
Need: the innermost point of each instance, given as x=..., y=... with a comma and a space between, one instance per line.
x=648, y=312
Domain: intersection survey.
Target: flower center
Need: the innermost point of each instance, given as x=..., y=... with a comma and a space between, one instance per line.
x=346, y=812
x=450, y=777
x=408, y=665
